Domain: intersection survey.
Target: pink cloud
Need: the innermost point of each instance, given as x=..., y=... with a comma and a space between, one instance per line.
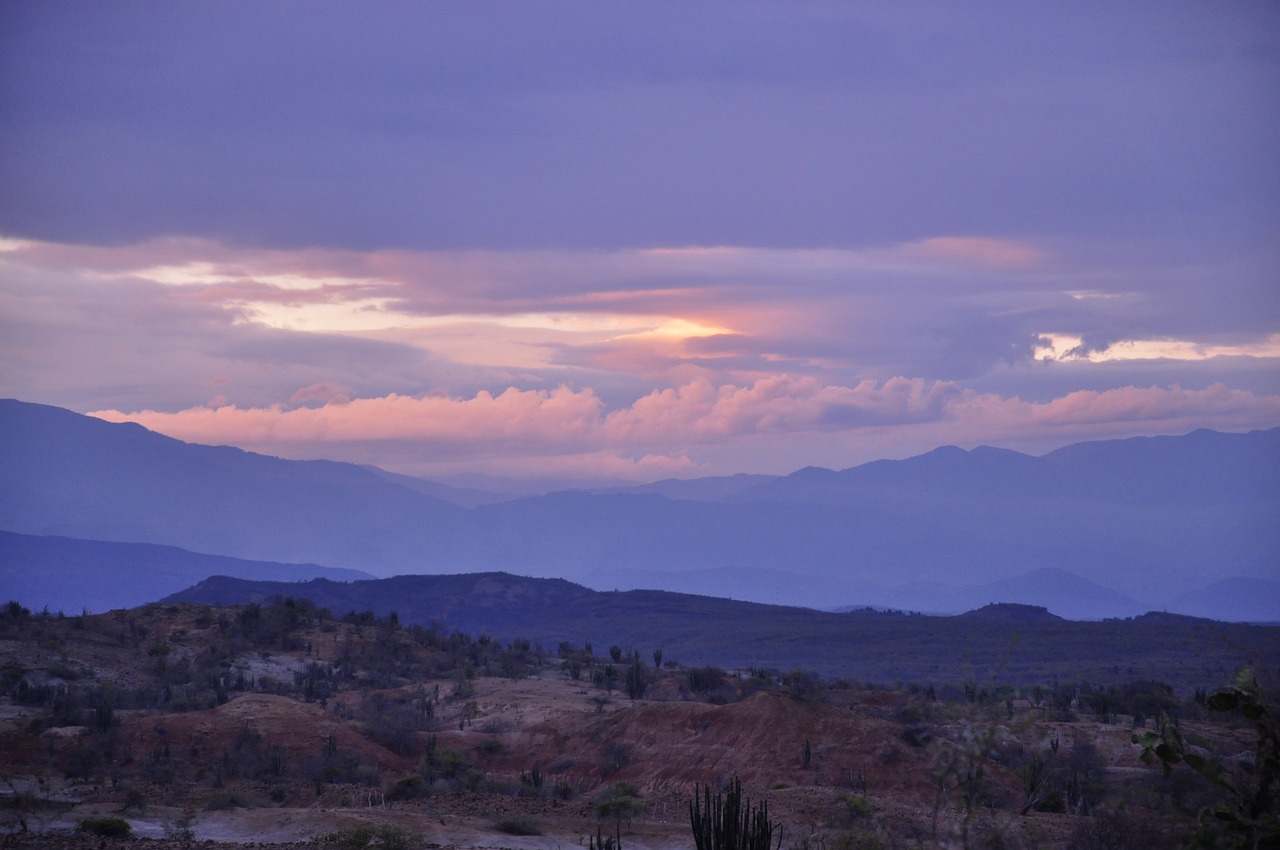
x=665, y=430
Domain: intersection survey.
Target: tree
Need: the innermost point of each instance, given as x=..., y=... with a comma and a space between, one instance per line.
x=617, y=805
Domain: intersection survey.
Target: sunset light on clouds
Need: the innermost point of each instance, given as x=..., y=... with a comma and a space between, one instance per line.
x=639, y=242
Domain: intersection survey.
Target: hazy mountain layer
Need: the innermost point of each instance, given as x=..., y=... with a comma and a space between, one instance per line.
x=1085, y=530
x=70, y=575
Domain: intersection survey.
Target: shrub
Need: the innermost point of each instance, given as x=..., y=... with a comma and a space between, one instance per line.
x=616, y=756
x=1248, y=817
x=1117, y=828
x=360, y=837
x=181, y=828
x=703, y=680
x=411, y=787
x=857, y=807
x=106, y=826
x=220, y=800
x=917, y=735
x=619, y=803
x=517, y=826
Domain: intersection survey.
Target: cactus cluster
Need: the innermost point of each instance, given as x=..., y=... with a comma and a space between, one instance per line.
x=729, y=823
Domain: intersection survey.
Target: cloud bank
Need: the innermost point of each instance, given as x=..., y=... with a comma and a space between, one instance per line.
x=665, y=429
x=642, y=240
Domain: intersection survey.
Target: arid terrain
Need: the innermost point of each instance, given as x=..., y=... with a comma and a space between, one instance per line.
x=281, y=724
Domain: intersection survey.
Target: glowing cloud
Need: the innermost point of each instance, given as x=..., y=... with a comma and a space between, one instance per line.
x=674, y=423
x=1067, y=347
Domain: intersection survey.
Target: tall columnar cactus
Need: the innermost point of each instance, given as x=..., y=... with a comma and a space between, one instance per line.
x=727, y=823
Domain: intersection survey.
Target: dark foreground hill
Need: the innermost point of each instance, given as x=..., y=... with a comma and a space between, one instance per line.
x=1015, y=644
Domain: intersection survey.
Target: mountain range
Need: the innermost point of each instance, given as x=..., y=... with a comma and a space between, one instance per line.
x=1100, y=529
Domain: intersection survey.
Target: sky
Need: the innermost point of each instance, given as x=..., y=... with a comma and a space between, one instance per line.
x=637, y=241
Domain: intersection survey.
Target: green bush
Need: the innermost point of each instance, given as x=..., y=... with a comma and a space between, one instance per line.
x=106, y=826
x=411, y=787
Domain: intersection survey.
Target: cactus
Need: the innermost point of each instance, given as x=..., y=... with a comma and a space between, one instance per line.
x=727, y=823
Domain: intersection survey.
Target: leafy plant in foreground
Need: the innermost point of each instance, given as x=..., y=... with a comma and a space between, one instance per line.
x=1251, y=819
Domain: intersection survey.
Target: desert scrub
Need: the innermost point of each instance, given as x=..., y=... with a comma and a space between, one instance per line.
x=517, y=826
x=360, y=837
x=411, y=787
x=222, y=800
x=105, y=826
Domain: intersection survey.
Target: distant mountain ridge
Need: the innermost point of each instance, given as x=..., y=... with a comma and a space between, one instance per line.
x=66, y=474
x=1091, y=530
x=69, y=575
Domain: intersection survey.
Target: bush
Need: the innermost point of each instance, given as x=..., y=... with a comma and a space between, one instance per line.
x=106, y=826
x=221, y=800
x=411, y=787
x=857, y=807
x=360, y=837
x=1117, y=828
x=917, y=735
x=517, y=826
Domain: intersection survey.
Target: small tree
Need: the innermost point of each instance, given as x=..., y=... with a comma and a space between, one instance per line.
x=617, y=805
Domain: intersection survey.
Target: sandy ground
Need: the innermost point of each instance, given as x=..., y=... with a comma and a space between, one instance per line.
x=292, y=826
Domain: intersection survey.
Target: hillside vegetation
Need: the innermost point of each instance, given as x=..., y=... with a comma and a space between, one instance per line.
x=1017, y=644
x=282, y=722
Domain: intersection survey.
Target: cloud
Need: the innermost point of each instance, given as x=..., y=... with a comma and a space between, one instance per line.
x=149, y=326
x=326, y=392
x=654, y=236
x=975, y=252
x=671, y=429
x=596, y=126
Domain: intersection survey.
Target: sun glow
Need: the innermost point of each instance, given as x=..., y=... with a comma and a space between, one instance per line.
x=677, y=329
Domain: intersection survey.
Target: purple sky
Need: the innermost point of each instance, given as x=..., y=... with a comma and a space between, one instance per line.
x=642, y=240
